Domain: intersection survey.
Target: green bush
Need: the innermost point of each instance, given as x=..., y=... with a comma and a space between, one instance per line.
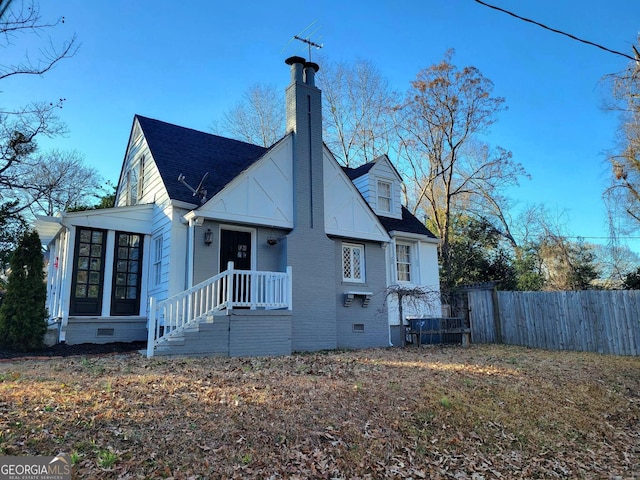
x=23, y=312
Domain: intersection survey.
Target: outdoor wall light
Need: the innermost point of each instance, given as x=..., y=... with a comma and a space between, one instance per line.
x=208, y=237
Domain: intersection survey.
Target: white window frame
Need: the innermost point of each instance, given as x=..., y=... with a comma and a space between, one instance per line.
x=141, y=177
x=387, y=199
x=134, y=189
x=158, y=247
x=409, y=262
x=352, y=248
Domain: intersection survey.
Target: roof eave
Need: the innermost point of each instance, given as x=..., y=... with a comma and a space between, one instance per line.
x=414, y=236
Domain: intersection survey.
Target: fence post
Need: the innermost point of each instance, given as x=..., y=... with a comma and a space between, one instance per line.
x=496, y=315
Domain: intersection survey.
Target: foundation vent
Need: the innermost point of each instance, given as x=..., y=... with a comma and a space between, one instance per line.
x=105, y=332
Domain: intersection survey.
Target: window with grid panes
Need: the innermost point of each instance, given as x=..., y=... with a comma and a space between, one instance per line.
x=403, y=262
x=157, y=260
x=125, y=298
x=352, y=263
x=384, y=196
x=135, y=181
x=88, y=272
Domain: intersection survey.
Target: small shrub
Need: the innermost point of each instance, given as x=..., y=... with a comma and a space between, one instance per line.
x=23, y=313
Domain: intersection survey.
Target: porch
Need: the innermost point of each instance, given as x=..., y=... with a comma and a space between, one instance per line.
x=218, y=316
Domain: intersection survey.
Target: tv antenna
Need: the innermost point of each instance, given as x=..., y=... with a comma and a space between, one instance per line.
x=307, y=38
x=199, y=191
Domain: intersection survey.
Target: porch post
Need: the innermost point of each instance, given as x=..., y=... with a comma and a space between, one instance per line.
x=230, y=287
x=290, y=287
x=190, y=245
x=151, y=329
x=67, y=275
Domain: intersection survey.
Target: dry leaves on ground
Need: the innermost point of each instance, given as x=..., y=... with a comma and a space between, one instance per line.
x=485, y=412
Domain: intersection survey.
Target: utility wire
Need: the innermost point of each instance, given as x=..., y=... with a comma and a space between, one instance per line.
x=573, y=37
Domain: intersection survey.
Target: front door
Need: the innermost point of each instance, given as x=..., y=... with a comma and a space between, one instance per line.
x=235, y=247
x=88, y=272
x=127, y=273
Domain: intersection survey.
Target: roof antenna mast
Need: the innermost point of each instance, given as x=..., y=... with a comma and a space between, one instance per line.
x=309, y=43
x=307, y=39
x=199, y=190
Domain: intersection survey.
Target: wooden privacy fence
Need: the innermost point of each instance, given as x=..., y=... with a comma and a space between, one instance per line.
x=594, y=321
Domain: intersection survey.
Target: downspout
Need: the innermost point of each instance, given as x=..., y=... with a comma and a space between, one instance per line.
x=385, y=247
x=190, y=246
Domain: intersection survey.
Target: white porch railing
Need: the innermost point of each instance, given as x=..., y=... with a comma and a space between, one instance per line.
x=226, y=290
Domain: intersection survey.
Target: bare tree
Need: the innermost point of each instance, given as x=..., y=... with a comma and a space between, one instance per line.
x=258, y=118
x=449, y=169
x=614, y=263
x=565, y=262
x=20, y=18
x=57, y=181
x=21, y=126
x=357, y=104
x=623, y=195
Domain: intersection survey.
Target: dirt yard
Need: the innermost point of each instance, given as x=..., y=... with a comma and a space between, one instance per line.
x=485, y=412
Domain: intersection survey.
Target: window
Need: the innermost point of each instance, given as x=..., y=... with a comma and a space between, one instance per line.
x=384, y=196
x=135, y=181
x=140, y=177
x=352, y=263
x=403, y=262
x=132, y=187
x=157, y=260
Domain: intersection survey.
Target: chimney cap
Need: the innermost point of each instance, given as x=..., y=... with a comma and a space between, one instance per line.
x=293, y=60
x=313, y=65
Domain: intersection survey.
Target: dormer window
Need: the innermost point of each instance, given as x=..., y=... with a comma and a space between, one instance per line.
x=384, y=196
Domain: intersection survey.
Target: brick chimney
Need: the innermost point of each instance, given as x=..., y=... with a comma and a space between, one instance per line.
x=308, y=249
x=304, y=119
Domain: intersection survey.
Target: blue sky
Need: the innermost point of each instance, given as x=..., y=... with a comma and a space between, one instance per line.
x=187, y=62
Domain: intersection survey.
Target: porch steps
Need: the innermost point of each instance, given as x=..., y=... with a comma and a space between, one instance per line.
x=209, y=336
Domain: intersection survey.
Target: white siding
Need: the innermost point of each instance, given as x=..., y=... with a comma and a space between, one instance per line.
x=153, y=189
x=363, y=185
x=167, y=223
x=261, y=195
x=136, y=219
x=177, y=247
x=367, y=184
x=346, y=213
x=384, y=171
x=424, y=274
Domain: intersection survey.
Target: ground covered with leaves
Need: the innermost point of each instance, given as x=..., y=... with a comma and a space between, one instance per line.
x=483, y=412
x=64, y=350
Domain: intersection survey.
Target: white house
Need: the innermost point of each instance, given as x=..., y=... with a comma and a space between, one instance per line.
x=217, y=246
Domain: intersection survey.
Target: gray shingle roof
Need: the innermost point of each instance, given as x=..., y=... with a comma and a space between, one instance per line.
x=179, y=150
x=409, y=224
x=354, y=173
